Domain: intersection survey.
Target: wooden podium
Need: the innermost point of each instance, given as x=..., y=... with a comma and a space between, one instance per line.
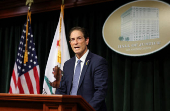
x=39, y=102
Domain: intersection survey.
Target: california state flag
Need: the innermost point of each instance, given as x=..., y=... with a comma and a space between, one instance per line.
x=59, y=53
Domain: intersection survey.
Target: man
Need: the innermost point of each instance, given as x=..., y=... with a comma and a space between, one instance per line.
x=91, y=82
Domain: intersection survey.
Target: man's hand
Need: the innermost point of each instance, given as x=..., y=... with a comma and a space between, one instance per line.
x=57, y=74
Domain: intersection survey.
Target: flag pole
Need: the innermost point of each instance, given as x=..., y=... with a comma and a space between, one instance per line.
x=29, y=3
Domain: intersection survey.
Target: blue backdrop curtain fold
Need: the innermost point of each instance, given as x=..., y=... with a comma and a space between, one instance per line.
x=135, y=83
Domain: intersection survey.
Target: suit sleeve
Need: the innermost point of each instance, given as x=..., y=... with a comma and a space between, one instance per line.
x=100, y=84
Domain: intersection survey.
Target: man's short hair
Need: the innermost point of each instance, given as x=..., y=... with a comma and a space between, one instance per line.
x=83, y=30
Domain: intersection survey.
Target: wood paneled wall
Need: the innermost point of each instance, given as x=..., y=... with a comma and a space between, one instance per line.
x=12, y=8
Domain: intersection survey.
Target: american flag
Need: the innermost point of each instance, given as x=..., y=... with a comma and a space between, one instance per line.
x=25, y=77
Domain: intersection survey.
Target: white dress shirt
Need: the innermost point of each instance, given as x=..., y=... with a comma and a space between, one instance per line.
x=83, y=58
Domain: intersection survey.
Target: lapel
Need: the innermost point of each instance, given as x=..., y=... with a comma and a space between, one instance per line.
x=71, y=67
x=85, y=67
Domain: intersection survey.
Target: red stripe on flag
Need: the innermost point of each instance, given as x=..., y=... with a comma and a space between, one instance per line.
x=21, y=91
x=14, y=82
x=14, y=78
x=29, y=83
x=36, y=79
x=10, y=90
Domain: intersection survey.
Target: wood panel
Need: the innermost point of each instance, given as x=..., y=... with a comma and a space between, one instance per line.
x=12, y=8
x=39, y=102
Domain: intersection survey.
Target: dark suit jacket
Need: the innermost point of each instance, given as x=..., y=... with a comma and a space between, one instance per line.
x=93, y=81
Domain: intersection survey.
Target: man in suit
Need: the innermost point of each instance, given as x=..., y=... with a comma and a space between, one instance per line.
x=91, y=82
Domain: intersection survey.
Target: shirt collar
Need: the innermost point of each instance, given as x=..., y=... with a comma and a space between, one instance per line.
x=83, y=58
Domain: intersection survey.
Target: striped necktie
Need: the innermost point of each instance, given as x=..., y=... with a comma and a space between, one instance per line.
x=76, y=78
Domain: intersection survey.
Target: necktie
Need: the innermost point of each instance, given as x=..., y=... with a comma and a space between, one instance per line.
x=76, y=78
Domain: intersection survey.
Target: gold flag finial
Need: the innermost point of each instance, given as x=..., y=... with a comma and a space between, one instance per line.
x=29, y=2
x=62, y=2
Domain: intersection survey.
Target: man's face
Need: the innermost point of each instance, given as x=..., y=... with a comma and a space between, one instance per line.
x=78, y=43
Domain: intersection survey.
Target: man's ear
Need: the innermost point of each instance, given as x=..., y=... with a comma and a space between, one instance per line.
x=70, y=42
x=87, y=40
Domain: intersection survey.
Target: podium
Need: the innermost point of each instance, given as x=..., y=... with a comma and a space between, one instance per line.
x=40, y=102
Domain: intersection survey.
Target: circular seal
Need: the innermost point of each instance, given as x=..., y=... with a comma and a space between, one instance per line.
x=138, y=28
